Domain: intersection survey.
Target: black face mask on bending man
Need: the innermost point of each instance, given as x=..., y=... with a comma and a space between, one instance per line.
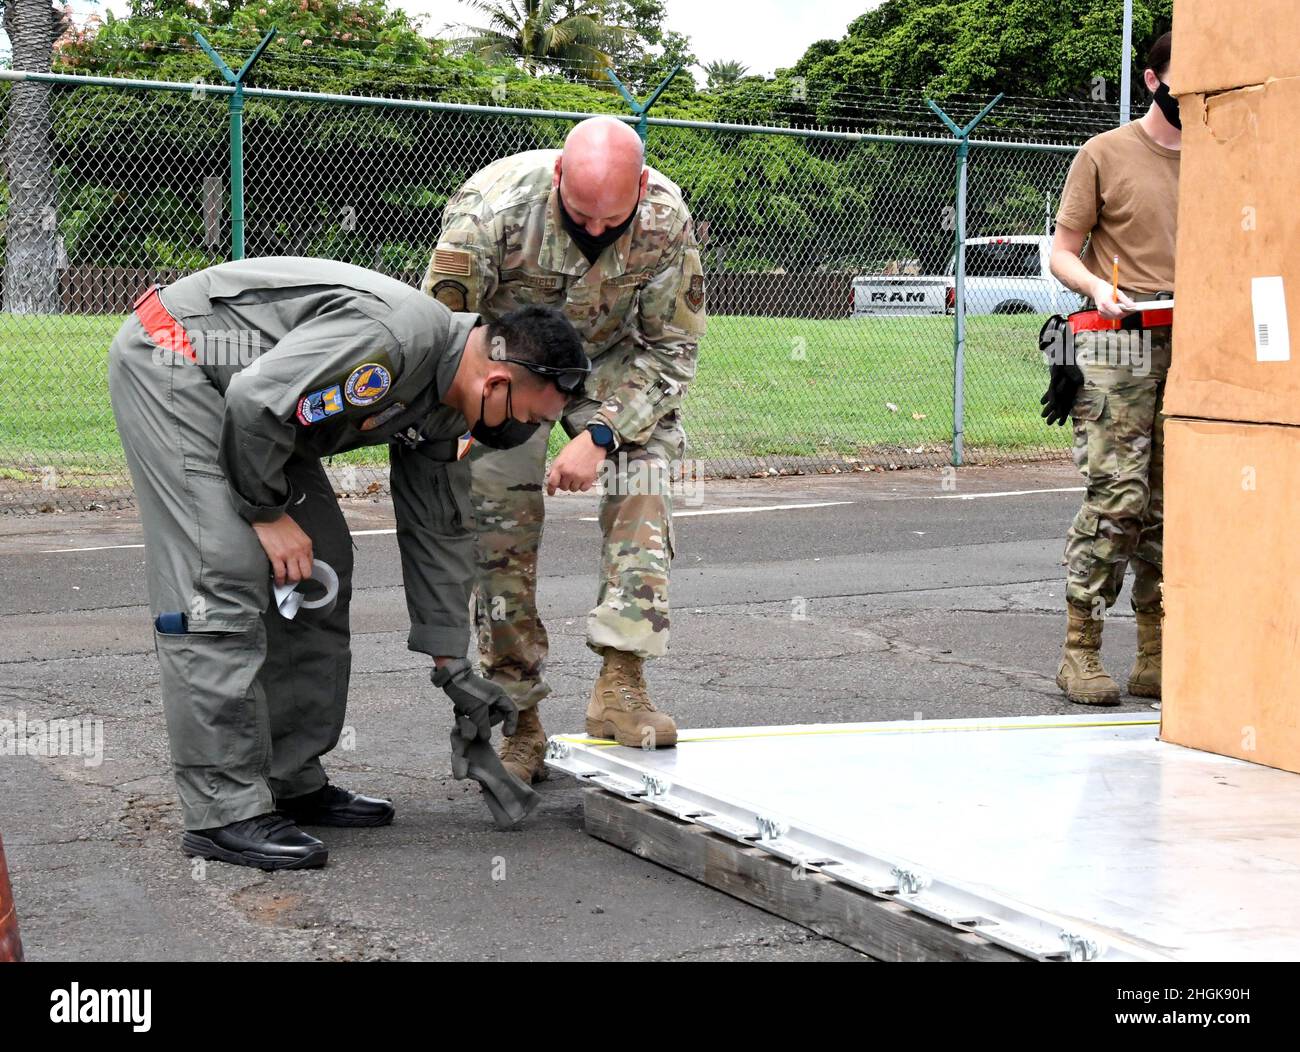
x=506, y=435
x=592, y=245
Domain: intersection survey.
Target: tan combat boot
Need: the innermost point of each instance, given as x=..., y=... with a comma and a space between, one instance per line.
x=621, y=709
x=522, y=753
x=1145, y=680
x=1081, y=674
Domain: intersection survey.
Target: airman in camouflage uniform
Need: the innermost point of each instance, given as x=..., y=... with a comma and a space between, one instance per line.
x=1114, y=243
x=516, y=234
x=1119, y=448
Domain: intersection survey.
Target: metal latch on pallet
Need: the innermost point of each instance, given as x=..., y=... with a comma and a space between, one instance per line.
x=1080, y=947
x=910, y=881
x=656, y=786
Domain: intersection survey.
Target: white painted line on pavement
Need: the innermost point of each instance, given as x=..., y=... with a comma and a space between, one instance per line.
x=103, y=548
x=1007, y=493
x=118, y=547
x=676, y=514
x=743, y=511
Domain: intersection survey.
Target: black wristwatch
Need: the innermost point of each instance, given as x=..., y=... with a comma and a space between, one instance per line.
x=603, y=435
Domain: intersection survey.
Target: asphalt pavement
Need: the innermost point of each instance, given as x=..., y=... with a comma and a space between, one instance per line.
x=829, y=599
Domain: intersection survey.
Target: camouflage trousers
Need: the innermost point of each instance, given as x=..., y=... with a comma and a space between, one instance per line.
x=1119, y=447
x=631, y=611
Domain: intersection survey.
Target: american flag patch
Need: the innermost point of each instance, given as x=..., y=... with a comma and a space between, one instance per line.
x=452, y=261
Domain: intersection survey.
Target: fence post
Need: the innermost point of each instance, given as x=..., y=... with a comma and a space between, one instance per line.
x=640, y=109
x=1126, y=64
x=236, y=135
x=959, y=299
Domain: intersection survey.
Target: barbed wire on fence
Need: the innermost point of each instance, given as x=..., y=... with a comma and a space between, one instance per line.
x=836, y=105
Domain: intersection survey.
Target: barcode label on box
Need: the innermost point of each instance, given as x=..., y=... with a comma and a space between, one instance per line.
x=1272, y=332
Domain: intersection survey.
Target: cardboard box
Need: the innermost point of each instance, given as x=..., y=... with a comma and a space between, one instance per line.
x=1222, y=44
x=1237, y=316
x=1232, y=590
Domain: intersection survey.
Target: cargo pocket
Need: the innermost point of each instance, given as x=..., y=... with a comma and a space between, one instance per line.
x=1091, y=447
x=213, y=713
x=1089, y=404
x=1080, y=547
x=231, y=577
x=1087, y=521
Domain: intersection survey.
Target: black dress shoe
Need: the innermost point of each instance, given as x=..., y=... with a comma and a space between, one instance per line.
x=269, y=841
x=331, y=806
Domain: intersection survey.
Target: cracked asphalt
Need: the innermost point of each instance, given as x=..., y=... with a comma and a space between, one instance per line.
x=907, y=601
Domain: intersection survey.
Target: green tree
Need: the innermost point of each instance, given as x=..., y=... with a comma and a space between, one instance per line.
x=32, y=238
x=724, y=74
x=138, y=169
x=323, y=45
x=647, y=51
x=543, y=34
x=366, y=184
x=1067, y=49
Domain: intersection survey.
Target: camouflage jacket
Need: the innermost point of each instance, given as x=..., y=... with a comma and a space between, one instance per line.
x=639, y=308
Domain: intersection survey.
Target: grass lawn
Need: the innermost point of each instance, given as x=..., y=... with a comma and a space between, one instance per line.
x=766, y=387
x=792, y=387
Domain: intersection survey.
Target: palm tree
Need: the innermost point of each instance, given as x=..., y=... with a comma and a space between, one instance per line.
x=542, y=33
x=32, y=234
x=724, y=74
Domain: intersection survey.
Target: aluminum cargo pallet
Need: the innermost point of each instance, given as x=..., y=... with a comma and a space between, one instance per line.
x=1043, y=838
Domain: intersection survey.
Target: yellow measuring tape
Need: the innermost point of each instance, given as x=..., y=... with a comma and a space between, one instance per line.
x=693, y=740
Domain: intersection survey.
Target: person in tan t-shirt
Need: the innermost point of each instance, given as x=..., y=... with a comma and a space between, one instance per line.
x=1120, y=199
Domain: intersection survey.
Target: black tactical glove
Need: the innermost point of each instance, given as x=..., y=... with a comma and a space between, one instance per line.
x=1062, y=390
x=477, y=702
x=1056, y=341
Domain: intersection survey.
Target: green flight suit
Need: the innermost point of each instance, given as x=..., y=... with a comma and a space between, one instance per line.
x=228, y=387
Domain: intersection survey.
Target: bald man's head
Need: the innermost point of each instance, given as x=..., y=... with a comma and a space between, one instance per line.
x=601, y=173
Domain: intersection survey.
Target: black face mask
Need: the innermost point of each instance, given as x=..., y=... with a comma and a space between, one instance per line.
x=505, y=435
x=1168, y=105
x=593, y=245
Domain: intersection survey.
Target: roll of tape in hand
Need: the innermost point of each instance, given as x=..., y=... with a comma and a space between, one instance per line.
x=289, y=600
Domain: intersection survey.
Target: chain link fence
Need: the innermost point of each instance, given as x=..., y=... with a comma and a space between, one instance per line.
x=829, y=261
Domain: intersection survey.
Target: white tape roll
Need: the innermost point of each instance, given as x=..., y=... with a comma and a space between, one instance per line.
x=288, y=600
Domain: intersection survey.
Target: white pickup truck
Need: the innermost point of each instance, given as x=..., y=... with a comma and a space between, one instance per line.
x=907, y=295
x=1004, y=275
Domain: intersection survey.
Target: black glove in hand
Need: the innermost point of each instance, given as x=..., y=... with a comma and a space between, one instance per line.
x=1062, y=390
x=1056, y=341
x=477, y=702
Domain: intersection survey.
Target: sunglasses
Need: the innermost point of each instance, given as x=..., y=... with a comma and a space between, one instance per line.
x=568, y=379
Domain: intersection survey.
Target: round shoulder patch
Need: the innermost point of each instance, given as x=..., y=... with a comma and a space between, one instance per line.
x=367, y=384
x=452, y=295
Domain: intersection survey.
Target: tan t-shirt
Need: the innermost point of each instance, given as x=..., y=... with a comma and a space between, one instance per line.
x=1123, y=189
